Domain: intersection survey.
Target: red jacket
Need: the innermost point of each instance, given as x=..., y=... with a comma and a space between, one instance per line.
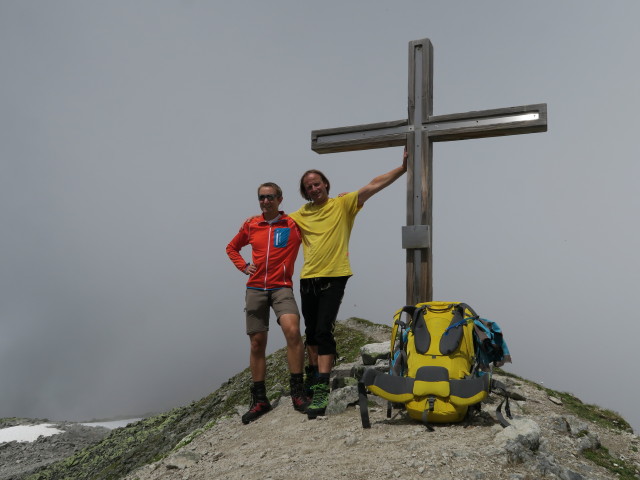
x=274, y=251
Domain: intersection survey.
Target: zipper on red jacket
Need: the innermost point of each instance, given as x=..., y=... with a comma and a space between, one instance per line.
x=266, y=262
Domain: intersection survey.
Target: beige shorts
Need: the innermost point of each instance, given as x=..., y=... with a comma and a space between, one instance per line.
x=258, y=302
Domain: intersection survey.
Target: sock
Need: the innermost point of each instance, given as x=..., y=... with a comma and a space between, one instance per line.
x=260, y=390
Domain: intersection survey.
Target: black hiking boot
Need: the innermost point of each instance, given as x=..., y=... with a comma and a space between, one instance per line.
x=259, y=404
x=299, y=398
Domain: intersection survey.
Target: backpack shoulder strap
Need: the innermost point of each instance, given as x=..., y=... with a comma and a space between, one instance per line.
x=465, y=307
x=421, y=335
x=453, y=334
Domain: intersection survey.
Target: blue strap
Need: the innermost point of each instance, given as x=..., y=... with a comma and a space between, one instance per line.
x=457, y=324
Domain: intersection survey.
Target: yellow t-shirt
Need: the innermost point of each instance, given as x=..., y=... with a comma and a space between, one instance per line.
x=325, y=236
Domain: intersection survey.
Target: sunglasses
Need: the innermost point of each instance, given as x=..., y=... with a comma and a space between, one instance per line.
x=269, y=197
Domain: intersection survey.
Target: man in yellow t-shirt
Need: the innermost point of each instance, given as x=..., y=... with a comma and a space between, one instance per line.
x=325, y=224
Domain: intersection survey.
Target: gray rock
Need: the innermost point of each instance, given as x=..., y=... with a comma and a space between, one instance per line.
x=344, y=370
x=358, y=370
x=182, y=459
x=519, y=440
x=559, y=424
x=382, y=365
x=567, y=474
x=374, y=351
x=576, y=426
x=342, y=398
x=590, y=441
x=342, y=382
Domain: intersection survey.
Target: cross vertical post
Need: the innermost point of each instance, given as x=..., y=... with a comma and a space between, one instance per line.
x=418, y=132
x=417, y=234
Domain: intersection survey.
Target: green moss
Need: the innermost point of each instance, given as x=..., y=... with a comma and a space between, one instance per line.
x=510, y=375
x=363, y=322
x=592, y=413
x=349, y=342
x=602, y=457
x=195, y=434
x=12, y=421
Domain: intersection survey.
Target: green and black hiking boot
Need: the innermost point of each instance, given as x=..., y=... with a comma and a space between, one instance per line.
x=259, y=404
x=320, y=400
x=298, y=396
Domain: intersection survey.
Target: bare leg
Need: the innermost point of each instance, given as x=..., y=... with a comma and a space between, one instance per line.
x=257, y=361
x=290, y=324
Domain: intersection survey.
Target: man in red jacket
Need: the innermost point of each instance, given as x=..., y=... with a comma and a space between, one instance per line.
x=275, y=240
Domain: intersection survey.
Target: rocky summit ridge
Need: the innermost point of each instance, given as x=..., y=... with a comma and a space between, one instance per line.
x=552, y=435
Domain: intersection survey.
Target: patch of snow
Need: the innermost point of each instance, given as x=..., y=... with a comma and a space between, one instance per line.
x=27, y=433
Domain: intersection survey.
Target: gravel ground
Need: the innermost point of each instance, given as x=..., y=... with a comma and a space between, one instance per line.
x=285, y=445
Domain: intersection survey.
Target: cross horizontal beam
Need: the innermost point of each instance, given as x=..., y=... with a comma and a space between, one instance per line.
x=440, y=128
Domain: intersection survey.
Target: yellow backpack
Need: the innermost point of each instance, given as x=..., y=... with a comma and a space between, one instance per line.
x=435, y=371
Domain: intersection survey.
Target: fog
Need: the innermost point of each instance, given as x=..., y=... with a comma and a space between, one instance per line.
x=133, y=137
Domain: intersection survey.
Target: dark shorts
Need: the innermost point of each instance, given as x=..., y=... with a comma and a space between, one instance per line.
x=258, y=302
x=321, y=298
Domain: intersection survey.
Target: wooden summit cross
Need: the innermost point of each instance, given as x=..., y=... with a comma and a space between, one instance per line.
x=417, y=133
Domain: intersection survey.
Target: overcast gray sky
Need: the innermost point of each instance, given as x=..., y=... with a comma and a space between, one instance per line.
x=133, y=136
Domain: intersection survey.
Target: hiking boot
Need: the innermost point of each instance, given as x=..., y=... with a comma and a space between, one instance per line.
x=259, y=405
x=298, y=397
x=320, y=400
x=256, y=411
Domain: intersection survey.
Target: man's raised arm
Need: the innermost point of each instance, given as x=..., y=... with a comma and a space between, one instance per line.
x=382, y=181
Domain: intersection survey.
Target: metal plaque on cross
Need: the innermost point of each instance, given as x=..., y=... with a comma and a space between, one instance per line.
x=417, y=133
